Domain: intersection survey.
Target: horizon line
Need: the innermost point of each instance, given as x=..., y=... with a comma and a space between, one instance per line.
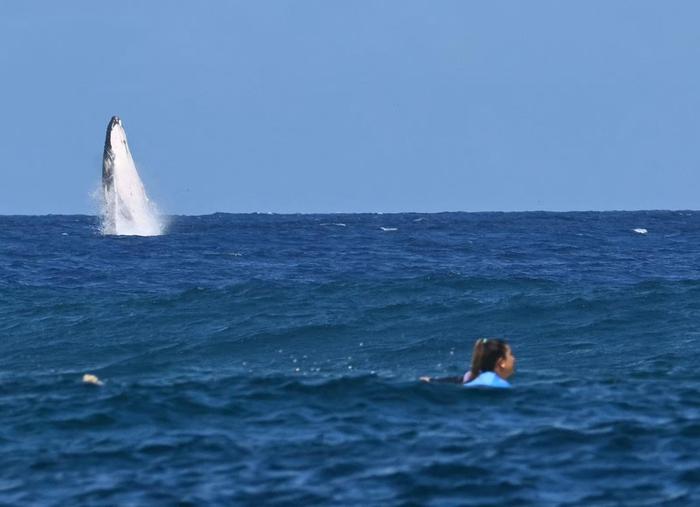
x=297, y=213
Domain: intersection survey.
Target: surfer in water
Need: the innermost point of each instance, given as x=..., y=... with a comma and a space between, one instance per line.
x=493, y=363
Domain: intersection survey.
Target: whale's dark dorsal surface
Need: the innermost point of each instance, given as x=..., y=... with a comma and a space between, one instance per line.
x=127, y=209
x=108, y=156
x=108, y=179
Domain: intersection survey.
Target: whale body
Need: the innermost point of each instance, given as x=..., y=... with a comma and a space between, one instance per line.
x=126, y=208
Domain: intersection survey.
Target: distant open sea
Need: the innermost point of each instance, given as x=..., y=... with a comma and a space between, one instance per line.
x=273, y=360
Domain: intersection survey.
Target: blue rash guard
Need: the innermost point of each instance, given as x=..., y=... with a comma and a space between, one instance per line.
x=488, y=379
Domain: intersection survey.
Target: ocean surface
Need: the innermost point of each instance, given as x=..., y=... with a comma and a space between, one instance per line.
x=273, y=360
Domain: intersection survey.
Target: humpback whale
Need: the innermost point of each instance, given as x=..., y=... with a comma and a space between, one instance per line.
x=127, y=209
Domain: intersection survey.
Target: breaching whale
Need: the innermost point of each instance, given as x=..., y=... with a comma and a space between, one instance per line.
x=127, y=209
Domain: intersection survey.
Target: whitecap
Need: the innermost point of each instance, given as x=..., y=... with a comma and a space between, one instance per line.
x=389, y=229
x=640, y=230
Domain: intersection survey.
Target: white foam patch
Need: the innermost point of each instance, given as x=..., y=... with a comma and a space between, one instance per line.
x=640, y=231
x=127, y=209
x=92, y=379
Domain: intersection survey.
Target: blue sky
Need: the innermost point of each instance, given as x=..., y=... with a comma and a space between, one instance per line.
x=327, y=106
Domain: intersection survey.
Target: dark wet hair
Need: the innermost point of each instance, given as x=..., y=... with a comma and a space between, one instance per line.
x=487, y=352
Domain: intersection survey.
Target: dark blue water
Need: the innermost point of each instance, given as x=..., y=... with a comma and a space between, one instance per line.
x=272, y=360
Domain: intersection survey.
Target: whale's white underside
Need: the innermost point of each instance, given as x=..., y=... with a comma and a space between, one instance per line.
x=127, y=209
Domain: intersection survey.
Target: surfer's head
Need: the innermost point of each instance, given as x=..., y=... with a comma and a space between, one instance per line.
x=492, y=354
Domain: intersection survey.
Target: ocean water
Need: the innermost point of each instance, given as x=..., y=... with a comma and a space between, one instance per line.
x=273, y=360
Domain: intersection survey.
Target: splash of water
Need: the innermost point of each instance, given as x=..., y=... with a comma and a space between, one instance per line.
x=126, y=209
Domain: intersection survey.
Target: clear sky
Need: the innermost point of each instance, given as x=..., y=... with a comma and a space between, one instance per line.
x=330, y=106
